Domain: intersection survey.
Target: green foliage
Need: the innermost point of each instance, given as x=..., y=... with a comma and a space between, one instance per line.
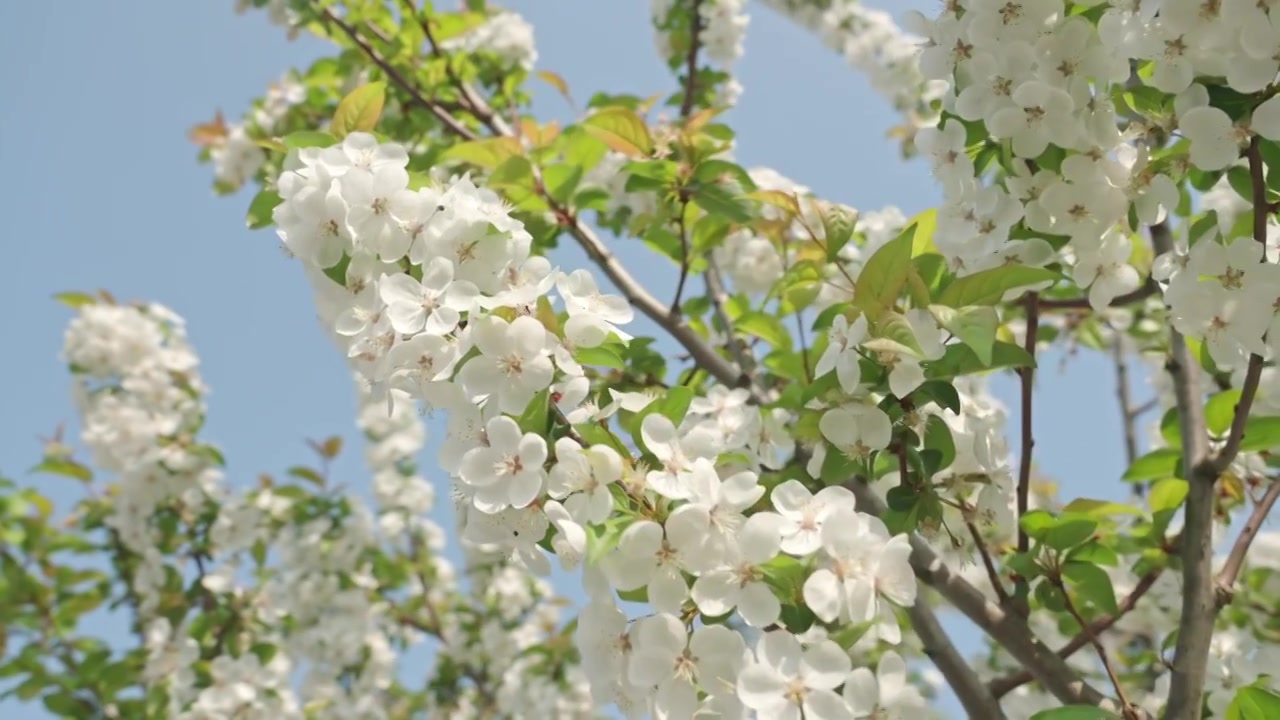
x=359, y=111
x=989, y=287
x=622, y=130
x=975, y=326
x=1254, y=703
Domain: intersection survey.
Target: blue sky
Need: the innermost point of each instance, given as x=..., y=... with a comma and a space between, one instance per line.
x=101, y=190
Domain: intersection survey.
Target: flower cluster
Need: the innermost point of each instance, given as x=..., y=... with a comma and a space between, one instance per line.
x=872, y=43
x=505, y=35
x=140, y=397
x=311, y=625
x=719, y=27
x=468, y=328
x=235, y=149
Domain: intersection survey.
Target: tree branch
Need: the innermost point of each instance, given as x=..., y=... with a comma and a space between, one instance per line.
x=1226, y=580
x=1006, y=629
x=472, y=100
x=1004, y=685
x=1149, y=288
x=976, y=699
x=1127, y=415
x=683, y=232
x=691, y=60
x=409, y=88
x=1199, y=591
x=1127, y=710
x=1027, y=376
x=989, y=564
x=1196, y=627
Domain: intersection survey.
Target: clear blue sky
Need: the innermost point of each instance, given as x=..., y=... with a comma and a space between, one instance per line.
x=101, y=190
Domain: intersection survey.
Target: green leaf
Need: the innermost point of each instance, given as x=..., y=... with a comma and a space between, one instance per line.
x=673, y=405
x=1092, y=584
x=261, y=207
x=602, y=356
x=1239, y=179
x=1207, y=222
x=1095, y=553
x=536, y=418
x=1261, y=433
x=1036, y=524
x=1160, y=463
x=937, y=436
x=786, y=575
x=1075, y=712
x=561, y=181
x=988, y=287
x=64, y=704
x=962, y=360
x=974, y=325
x=766, y=327
x=557, y=82
x=721, y=203
x=1069, y=531
x=837, y=468
x=622, y=130
x=1099, y=508
x=359, y=111
x=75, y=300
x=1254, y=703
x=306, y=473
x=603, y=538
x=445, y=26
x=884, y=274
x=66, y=468
x=1220, y=411
x=1167, y=494
x=940, y=392
x=308, y=138
x=837, y=227
x=925, y=224
x=487, y=153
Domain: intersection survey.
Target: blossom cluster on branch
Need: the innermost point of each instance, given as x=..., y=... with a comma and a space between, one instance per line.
x=770, y=483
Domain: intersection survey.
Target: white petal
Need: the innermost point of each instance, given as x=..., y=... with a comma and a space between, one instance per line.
x=822, y=595
x=825, y=665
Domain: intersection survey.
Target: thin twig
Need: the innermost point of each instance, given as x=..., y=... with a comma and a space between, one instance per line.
x=989, y=564
x=1149, y=288
x=1145, y=408
x=409, y=88
x=804, y=345
x=1126, y=708
x=1127, y=415
x=691, y=59
x=719, y=300
x=1004, y=685
x=1248, y=391
x=1235, y=559
x=1027, y=376
x=1009, y=630
x=683, y=231
x=474, y=104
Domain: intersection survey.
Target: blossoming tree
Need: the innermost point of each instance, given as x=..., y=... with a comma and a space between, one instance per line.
x=768, y=519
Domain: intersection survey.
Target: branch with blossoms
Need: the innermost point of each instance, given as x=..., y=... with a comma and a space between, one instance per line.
x=292, y=580
x=713, y=485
